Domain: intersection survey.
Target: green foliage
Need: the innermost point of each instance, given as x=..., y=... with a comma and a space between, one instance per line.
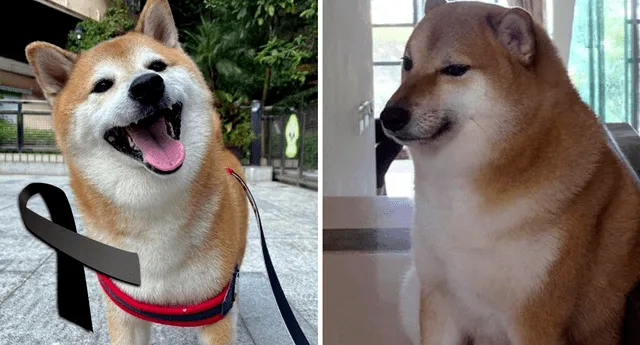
x=240, y=136
x=115, y=22
x=9, y=134
x=223, y=61
x=264, y=49
x=235, y=118
x=285, y=59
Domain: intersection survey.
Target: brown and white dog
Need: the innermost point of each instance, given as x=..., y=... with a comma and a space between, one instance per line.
x=527, y=224
x=135, y=122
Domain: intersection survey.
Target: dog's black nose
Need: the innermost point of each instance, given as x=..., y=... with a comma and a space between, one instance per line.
x=147, y=89
x=394, y=118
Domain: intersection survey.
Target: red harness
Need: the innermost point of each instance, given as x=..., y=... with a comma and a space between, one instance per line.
x=204, y=313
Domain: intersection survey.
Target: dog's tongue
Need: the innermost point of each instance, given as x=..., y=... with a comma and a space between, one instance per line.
x=158, y=148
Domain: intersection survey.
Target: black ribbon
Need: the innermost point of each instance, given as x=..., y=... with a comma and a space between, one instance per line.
x=73, y=252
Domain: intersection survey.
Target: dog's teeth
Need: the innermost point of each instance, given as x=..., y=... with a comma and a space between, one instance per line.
x=131, y=143
x=111, y=138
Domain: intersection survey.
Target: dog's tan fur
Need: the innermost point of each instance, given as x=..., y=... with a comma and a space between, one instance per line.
x=545, y=149
x=63, y=77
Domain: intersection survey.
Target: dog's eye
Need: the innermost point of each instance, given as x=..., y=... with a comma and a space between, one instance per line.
x=455, y=70
x=102, y=86
x=407, y=63
x=157, y=66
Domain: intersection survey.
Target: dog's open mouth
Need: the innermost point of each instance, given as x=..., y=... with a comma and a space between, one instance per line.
x=153, y=140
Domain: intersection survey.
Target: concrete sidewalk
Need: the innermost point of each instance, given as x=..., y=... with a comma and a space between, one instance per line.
x=28, y=311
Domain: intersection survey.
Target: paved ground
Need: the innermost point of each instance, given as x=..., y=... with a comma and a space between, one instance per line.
x=28, y=312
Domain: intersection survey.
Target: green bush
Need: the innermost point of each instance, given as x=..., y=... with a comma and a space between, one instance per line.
x=9, y=135
x=241, y=136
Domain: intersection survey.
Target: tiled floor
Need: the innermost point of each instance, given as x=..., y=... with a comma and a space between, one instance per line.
x=28, y=313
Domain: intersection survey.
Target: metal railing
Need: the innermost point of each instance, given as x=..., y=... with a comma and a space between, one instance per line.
x=26, y=130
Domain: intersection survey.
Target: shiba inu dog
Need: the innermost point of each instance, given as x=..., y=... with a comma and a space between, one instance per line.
x=135, y=122
x=527, y=223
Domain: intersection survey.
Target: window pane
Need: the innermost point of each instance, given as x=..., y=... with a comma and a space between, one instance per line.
x=597, y=59
x=391, y=11
x=613, y=51
x=388, y=43
x=386, y=80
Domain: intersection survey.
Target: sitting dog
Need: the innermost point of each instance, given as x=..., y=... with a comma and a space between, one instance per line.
x=527, y=223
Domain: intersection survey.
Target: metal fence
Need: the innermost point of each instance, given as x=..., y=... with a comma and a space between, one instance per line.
x=26, y=126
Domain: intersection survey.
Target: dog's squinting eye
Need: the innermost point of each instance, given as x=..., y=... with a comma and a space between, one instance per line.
x=455, y=70
x=102, y=86
x=407, y=63
x=157, y=66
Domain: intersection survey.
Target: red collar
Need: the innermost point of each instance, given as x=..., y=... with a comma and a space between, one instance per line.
x=200, y=314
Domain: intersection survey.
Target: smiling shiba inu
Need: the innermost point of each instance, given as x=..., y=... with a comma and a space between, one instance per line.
x=135, y=122
x=527, y=223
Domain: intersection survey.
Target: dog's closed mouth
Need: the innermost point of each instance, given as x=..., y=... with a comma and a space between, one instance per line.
x=445, y=127
x=153, y=140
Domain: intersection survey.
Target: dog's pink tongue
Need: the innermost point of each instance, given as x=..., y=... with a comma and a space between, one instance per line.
x=158, y=148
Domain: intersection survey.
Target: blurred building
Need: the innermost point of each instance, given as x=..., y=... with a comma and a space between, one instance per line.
x=39, y=20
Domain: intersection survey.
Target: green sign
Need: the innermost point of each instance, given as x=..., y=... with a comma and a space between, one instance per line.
x=292, y=133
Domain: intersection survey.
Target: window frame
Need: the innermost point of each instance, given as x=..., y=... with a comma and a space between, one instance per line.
x=418, y=9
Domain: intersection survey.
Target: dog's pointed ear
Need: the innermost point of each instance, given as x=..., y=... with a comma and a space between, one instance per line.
x=52, y=66
x=157, y=21
x=431, y=4
x=516, y=32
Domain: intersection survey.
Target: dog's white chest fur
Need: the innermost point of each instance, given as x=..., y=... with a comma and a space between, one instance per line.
x=171, y=270
x=483, y=272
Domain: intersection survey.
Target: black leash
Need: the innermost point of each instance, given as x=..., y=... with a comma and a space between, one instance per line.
x=75, y=251
x=285, y=309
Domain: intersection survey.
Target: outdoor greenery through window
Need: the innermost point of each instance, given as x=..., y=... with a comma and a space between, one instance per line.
x=602, y=62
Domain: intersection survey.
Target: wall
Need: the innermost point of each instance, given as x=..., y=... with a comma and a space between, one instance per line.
x=562, y=26
x=360, y=298
x=349, y=158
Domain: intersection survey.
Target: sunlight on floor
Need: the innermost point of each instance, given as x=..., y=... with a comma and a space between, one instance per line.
x=399, y=179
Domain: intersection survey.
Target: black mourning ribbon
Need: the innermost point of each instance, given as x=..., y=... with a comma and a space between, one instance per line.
x=73, y=252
